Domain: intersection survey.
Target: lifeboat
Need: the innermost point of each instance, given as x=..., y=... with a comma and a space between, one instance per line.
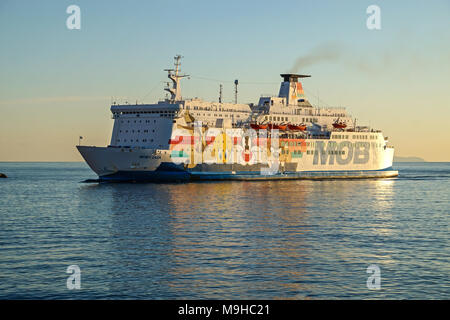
x=255, y=126
x=339, y=125
x=301, y=127
x=277, y=126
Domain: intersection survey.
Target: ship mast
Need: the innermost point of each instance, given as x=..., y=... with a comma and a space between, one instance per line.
x=173, y=74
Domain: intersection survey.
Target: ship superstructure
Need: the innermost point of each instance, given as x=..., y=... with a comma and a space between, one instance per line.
x=282, y=137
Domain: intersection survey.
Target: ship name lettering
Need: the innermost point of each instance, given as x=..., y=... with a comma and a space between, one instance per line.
x=341, y=153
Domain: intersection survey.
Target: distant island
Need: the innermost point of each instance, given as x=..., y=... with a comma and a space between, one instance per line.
x=408, y=159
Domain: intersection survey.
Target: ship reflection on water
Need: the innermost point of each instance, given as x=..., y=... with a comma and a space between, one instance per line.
x=278, y=239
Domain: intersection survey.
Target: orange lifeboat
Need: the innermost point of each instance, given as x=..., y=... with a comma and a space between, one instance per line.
x=255, y=126
x=339, y=125
x=301, y=127
x=277, y=126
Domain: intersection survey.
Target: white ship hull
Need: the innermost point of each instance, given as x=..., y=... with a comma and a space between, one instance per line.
x=137, y=164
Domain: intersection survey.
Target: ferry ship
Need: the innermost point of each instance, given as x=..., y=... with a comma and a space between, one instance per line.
x=282, y=137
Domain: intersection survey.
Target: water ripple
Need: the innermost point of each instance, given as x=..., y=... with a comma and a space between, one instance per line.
x=232, y=240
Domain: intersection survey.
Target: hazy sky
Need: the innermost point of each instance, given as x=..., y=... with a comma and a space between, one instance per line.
x=56, y=84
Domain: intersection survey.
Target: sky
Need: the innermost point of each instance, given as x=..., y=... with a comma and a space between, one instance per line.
x=57, y=84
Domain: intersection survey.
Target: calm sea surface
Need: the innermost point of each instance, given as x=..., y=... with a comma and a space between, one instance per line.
x=230, y=240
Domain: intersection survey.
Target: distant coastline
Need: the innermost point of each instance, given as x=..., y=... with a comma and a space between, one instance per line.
x=408, y=159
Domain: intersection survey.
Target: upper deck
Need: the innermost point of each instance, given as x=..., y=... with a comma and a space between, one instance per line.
x=150, y=125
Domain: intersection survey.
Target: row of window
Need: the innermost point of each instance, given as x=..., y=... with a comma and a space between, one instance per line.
x=215, y=115
x=339, y=115
x=140, y=121
x=138, y=131
x=364, y=137
x=286, y=119
x=356, y=137
x=340, y=136
x=293, y=152
x=212, y=109
x=135, y=140
x=167, y=115
x=336, y=152
x=147, y=112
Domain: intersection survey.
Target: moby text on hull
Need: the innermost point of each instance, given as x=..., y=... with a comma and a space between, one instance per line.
x=282, y=137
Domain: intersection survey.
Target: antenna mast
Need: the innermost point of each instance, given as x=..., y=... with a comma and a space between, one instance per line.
x=220, y=93
x=173, y=74
x=236, y=82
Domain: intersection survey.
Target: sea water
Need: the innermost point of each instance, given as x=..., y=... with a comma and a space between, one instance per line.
x=230, y=240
